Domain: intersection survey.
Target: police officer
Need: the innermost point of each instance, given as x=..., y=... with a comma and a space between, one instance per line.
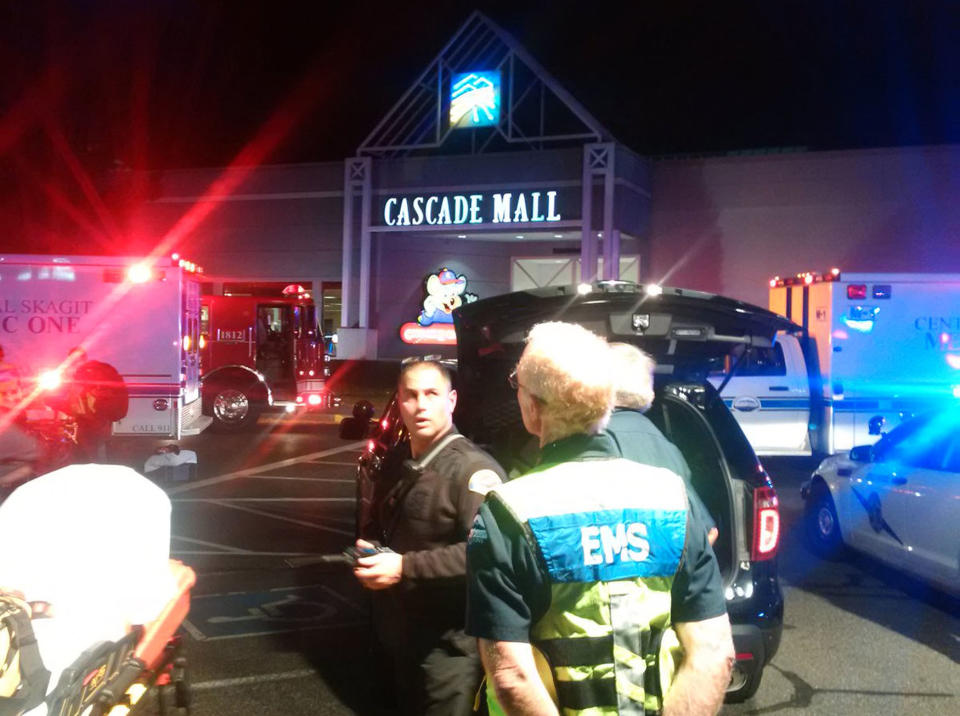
x=583, y=571
x=419, y=590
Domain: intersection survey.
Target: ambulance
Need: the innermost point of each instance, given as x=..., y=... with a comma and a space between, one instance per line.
x=141, y=316
x=870, y=350
x=261, y=353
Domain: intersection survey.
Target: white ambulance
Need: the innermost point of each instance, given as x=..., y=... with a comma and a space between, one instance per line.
x=874, y=349
x=140, y=316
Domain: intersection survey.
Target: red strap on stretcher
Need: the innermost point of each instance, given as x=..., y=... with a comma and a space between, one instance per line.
x=158, y=632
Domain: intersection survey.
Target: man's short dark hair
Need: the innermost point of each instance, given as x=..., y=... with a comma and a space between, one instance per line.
x=409, y=364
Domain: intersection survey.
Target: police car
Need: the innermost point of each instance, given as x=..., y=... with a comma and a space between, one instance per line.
x=685, y=332
x=897, y=500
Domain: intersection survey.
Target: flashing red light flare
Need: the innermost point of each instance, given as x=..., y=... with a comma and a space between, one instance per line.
x=49, y=380
x=61, y=201
x=271, y=134
x=314, y=399
x=139, y=273
x=83, y=179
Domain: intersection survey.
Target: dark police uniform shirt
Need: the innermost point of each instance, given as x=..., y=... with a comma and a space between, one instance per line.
x=429, y=523
x=639, y=440
x=508, y=589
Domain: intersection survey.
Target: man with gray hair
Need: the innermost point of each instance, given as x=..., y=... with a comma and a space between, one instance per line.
x=585, y=571
x=636, y=437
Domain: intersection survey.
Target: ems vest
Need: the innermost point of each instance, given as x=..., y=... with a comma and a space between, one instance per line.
x=611, y=536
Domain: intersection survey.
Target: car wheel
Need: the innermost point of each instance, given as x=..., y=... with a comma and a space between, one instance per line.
x=233, y=409
x=747, y=691
x=822, y=525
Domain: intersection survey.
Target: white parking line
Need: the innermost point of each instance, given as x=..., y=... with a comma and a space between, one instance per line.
x=332, y=462
x=352, y=447
x=349, y=480
x=258, y=679
x=300, y=628
x=262, y=513
x=226, y=548
x=219, y=500
x=240, y=553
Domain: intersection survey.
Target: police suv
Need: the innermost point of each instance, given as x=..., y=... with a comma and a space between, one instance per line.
x=686, y=332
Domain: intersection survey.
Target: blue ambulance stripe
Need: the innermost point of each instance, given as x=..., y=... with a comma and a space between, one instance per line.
x=571, y=543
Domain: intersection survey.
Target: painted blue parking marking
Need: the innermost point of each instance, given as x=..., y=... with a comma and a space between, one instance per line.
x=246, y=614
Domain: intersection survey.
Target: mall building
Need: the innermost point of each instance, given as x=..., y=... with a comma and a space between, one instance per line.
x=487, y=176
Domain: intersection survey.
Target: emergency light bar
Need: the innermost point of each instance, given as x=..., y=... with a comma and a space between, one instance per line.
x=180, y=262
x=805, y=279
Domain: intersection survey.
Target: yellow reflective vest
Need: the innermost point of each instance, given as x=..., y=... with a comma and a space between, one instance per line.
x=611, y=535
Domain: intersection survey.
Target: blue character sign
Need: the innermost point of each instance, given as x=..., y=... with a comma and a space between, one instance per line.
x=445, y=292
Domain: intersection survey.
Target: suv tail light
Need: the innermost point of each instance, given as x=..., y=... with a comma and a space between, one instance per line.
x=766, y=524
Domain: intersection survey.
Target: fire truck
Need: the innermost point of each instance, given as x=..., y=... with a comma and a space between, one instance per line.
x=141, y=316
x=261, y=353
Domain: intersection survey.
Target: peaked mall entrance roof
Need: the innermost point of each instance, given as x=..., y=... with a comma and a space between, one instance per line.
x=484, y=146
x=485, y=81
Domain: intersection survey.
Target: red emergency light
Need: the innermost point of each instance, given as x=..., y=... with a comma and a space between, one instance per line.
x=139, y=273
x=805, y=279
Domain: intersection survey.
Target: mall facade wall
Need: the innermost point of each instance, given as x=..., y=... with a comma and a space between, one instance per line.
x=729, y=224
x=286, y=224
x=721, y=224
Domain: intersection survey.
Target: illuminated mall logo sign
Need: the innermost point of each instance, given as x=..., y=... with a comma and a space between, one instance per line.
x=475, y=99
x=519, y=207
x=444, y=291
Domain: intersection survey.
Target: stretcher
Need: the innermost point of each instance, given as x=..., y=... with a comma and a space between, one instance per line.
x=112, y=677
x=105, y=637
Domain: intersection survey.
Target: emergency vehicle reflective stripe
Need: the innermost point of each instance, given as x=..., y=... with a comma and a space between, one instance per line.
x=628, y=650
x=615, y=483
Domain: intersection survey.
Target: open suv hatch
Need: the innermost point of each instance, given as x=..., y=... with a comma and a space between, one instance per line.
x=686, y=332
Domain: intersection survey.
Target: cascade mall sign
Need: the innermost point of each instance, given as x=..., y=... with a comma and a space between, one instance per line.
x=510, y=207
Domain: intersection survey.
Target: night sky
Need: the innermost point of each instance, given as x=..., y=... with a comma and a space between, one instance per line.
x=90, y=86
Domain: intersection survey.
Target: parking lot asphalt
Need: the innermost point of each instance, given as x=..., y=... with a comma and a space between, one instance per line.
x=266, y=638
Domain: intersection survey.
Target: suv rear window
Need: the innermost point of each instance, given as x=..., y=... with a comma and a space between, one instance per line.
x=758, y=361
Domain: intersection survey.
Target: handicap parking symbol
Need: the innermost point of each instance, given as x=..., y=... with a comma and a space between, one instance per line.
x=272, y=612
